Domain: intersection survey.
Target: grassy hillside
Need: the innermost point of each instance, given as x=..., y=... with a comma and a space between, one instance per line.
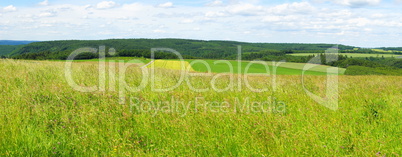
x=41, y=115
x=8, y=46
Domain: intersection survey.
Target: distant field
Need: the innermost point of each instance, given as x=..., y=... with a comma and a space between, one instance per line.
x=385, y=51
x=300, y=66
x=170, y=64
x=352, y=54
x=282, y=69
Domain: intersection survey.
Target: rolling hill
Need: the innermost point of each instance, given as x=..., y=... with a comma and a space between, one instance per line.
x=8, y=46
x=196, y=48
x=7, y=49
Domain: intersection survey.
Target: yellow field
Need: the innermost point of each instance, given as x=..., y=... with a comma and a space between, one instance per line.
x=384, y=51
x=167, y=64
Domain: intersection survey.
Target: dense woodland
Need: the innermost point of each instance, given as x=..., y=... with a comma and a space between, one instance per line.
x=7, y=49
x=199, y=49
x=195, y=48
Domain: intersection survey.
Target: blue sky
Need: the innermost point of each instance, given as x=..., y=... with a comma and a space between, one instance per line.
x=366, y=23
x=181, y=2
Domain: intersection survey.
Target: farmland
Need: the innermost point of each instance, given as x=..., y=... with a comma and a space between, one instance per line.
x=169, y=64
x=224, y=66
x=385, y=51
x=42, y=115
x=362, y=55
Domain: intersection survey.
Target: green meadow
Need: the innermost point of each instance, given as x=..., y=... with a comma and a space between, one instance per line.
x=43, y=115
x=258, y=67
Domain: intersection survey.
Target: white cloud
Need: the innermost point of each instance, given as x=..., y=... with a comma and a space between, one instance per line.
x=44, y=3
x=166, y=5
x=287, y=22
x=106, y=5
x=46, y=14
x=30, y=16
x=123, y=18
x=135, y=7
x=187, y=21
x=357, y=3
x=215, y=14
x=159, y=31
x=45, y=25
x=295, y=7
x=359, y=22
x=378, y=15
x=88, y=7
x=272, y=19
x=215, y=3
x=9, y=8
x=245, y=9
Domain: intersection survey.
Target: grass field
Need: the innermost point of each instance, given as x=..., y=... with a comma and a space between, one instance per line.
x=352, y=54
x=317, y=68
x=42, y=115
x=256, y=67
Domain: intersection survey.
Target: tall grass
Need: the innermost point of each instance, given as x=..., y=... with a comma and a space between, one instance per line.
x=41, y=115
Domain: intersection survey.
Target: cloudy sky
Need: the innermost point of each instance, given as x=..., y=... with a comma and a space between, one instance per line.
x=366, y=23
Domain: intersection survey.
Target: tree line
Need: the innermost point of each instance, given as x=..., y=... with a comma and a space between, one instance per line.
x=47, y=55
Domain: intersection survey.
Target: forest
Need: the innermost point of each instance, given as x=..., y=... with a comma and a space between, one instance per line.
x=196, y=48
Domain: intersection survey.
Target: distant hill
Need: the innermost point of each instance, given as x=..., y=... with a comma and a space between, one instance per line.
x=5, y=50
x=196, y=48
x=7, y=46
x=14, y=42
